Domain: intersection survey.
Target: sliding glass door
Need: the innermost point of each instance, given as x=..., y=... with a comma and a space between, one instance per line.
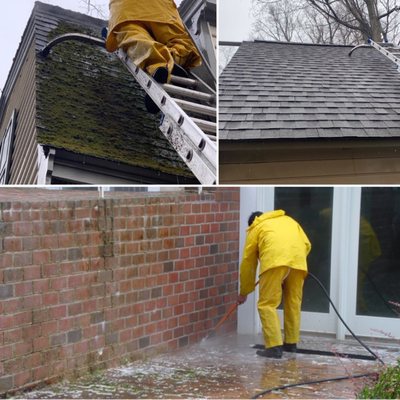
x=355, y=236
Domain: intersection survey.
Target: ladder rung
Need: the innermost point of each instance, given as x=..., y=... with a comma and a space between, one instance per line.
x=192, y=83
x=196, y=107
x=176, y=90
x=206, y=126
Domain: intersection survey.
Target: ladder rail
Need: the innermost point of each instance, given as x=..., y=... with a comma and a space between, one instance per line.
x=200, y=143
x=188, y=151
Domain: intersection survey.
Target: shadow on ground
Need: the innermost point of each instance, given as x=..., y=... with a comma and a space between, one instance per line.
x=227, y=367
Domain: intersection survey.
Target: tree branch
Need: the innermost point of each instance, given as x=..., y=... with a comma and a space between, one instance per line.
x=397, y=8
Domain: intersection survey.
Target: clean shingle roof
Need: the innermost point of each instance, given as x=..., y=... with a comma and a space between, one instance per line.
x=273, y=90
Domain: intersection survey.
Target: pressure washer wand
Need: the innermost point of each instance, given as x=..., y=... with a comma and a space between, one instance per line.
x=232, y=308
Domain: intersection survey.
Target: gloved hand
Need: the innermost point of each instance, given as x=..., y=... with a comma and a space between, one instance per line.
x=241, y=299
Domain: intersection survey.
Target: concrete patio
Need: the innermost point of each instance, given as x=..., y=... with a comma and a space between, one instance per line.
x=227, y=367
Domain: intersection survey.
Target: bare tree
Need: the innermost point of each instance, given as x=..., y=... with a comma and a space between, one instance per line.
x=372, y=18
x=319, y=28
x=95, y=8
x=327, y=21
x=277, y=20
x=225, y=55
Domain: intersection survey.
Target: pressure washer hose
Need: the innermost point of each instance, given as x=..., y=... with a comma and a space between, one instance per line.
x=376, y=357
x=342, y=320
x=290, y=385
x=234, y=307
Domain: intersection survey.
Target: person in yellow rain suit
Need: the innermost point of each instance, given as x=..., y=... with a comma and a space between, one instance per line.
x=153, y=35
x=280, y=245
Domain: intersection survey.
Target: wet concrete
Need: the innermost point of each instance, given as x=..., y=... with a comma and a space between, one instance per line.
x=227, y=367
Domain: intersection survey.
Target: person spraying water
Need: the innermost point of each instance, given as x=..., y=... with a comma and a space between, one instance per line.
x=279, y=243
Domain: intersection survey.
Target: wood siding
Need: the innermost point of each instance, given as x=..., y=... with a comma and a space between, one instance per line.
x=329, y=162
x=23, y=100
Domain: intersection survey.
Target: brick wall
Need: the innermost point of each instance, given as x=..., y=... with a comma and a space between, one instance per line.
x=87, y=284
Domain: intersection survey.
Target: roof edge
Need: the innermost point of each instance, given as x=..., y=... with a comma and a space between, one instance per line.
x=299, y=43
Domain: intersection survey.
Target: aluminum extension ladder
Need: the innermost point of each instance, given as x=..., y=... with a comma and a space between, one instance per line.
x=189, y=117
x=390, y=51
x=189, y=111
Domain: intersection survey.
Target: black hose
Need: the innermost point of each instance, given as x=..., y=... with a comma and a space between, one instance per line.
x=342, y=320
x=387, y=304
x=325, y=353
x=338, y=378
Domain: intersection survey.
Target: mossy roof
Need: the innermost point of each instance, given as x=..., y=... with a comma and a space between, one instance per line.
x=89, y=104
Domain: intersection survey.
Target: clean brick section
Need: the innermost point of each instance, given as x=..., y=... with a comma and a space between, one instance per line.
x=87, y=284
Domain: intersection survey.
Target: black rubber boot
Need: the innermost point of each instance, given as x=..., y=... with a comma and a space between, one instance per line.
x=290, y=347
x=160, y=76
x=178, y=70
x=271, y=352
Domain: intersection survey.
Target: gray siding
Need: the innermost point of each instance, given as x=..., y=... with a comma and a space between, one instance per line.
x=22, y=99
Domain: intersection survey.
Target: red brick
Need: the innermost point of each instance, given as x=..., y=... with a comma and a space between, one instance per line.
x=50, y=299
x=22, y=378
x=23, y=348
x=12, y=244
x=58, y=312
x=12, y=306
x=41, y=373
x=6, y=352
x=75, y=281
x=40, y=257
x=32, y=301
x=173, y=277
x=32, y=272
x=33, y=360
x=23, y=289
x=49, y=241
x=23, y=228
x=12, y=336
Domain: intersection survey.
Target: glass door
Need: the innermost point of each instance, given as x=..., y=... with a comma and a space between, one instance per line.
x=375, y=309
x=312, y=208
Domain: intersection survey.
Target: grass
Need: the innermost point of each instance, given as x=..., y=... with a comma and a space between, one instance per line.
x=387, y=386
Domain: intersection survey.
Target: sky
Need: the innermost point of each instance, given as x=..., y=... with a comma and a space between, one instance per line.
x=234, y=20
x=15, y=16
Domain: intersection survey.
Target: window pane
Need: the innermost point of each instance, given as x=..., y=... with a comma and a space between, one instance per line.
x=379, y=253
x=312, y=208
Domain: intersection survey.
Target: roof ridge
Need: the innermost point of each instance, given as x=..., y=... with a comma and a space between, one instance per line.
x=299, y=43
x=64, y=12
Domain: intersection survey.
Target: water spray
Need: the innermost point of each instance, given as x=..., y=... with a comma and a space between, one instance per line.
x=306, y=351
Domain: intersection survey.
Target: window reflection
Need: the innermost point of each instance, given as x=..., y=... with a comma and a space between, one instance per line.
x=312, y=208
x=378, y=283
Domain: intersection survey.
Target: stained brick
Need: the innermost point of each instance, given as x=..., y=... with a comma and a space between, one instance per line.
x=144, y=342
x=156, y=292
x=168, y=266
x=74, y=336
x=6, y=383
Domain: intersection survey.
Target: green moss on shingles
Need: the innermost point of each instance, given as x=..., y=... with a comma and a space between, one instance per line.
x=89, y=104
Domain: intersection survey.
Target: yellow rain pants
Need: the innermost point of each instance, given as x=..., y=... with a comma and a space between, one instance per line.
x=152, y=33
x=274, y=283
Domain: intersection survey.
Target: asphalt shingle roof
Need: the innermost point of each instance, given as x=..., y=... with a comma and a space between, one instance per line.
x=274, y=90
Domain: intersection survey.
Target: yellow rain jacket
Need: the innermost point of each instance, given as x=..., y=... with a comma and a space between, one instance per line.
x=164, y=11
x=275, y=240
